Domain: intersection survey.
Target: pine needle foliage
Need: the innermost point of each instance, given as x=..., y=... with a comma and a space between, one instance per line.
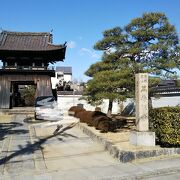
x=147, y=44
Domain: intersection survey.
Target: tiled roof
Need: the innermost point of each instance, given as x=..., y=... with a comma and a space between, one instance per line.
x=167, y=83
x=64, y=69
x=166, y=88
x=27, y=41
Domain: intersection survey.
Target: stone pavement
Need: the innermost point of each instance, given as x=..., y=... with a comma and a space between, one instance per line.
x=30, y=151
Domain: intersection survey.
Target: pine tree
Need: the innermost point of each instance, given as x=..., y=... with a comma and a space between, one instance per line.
x=153, y=44
x=146, y=44
x=110, y=84
x=112, y=77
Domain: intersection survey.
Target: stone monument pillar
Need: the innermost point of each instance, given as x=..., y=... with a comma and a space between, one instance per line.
x=142, y=135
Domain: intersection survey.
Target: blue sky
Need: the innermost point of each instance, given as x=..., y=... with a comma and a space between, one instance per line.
x=80, y=22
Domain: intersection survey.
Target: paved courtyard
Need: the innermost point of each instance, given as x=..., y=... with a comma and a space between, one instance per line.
x=31, y=151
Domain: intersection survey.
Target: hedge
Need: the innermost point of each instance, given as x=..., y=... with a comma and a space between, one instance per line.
x=165, y=122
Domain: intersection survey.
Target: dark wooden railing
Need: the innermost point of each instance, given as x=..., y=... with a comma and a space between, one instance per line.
x=27, y=68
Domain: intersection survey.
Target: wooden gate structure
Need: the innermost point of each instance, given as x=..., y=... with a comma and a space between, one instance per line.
x=26, y=57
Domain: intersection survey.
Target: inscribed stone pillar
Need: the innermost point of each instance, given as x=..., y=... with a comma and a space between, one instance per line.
x=141, y=96
x=142, y=136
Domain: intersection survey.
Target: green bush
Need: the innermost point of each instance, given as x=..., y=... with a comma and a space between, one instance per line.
x=165, y=122
x=28, y=94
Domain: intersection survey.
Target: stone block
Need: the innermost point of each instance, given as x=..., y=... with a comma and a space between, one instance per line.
x=145, y=138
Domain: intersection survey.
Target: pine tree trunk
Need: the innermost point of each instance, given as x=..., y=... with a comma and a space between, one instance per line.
x=110, y=107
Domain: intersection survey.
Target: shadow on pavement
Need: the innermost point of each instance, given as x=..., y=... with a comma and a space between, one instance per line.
x=31, y=148
x=7, y=129
x=31, y=120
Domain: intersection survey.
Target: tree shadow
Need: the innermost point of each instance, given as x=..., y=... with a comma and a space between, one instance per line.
x=7, y=129
x=37, y=145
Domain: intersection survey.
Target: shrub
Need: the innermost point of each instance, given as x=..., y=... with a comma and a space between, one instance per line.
x=28, y=94
x=165, y=122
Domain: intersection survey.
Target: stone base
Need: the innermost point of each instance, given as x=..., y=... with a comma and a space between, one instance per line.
x=144, y=138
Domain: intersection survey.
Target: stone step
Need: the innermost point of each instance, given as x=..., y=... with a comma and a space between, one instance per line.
x=19, y=110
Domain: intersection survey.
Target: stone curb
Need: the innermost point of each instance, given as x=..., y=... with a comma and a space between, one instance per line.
x=145, y=175
x=128, y=156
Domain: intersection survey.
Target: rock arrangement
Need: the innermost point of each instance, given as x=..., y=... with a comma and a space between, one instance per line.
x=95, y=118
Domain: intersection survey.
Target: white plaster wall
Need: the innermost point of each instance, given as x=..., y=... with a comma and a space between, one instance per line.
x=65, y=102
x=54, y=81
x=165, y=101
x=67, y=77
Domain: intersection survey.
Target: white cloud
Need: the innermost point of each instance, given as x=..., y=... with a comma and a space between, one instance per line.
x=71, y=44
x=92, y=53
